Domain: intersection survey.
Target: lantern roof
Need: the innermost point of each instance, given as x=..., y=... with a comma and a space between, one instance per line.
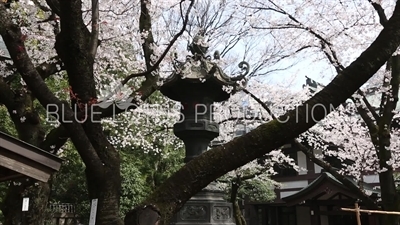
x=200, y=76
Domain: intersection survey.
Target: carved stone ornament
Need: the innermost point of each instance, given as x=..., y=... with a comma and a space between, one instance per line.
x=221, y=213
x=199, y=72
x=193, y=212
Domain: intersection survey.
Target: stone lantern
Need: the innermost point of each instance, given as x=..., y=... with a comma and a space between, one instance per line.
x=197, y=83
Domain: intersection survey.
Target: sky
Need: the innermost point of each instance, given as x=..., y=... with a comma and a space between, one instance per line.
x=292, y=78
x=3, y=48
x=295, y=76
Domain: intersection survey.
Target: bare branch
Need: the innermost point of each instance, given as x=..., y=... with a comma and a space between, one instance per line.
x=331, y=56
x=381, y=12
x=371, y=109
x=326, y=46
x=259, y=101
x=263, y=62
x=370, y=122
x=243, y=119
x=145, y=25
x=4, y=58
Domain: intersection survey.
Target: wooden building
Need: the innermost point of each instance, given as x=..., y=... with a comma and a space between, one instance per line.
x=311, y=197
x=19, y=159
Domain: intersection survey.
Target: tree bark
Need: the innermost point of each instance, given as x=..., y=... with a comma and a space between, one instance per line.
x=73, y=47
x=390, y=196
x=107, y=191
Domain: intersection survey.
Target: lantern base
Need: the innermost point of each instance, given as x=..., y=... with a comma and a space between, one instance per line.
x=207, y=207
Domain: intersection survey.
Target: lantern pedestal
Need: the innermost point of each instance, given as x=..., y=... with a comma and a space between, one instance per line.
x=197, y=83
x=208, y=208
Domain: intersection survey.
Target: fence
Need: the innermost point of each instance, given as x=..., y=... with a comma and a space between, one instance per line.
x=357, y=210
x=62, y=207
x=63, y=214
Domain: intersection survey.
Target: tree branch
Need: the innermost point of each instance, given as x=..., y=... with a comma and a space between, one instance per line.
x=256, y=118
x=145, y=26
x=371, y=124
x=55, y=139
x=54, y=6
x=381, y=12
x=326, y=46
x=4, y=58
x=390, y=195
x=6, y=94
x=150, y=84
x=368, y=105
x=95, y=28
x=47, y=69
x=393, y=95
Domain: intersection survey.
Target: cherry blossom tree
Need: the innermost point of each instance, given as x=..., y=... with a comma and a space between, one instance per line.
x=68, y=42
x=364, y=130
x=41, y=24
x=372, y=129
x=90, y=44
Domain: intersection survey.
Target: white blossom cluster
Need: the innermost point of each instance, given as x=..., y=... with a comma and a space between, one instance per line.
x=241, y=111
x=346, y=130
x=148, y=127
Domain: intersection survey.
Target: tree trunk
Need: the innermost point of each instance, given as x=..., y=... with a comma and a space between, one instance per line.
x=389, y=194
x=107, y=190
x=239, y=218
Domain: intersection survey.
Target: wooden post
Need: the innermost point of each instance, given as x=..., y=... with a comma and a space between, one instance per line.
x=357, y=213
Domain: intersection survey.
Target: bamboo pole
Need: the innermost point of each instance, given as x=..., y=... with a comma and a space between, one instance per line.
x=357, y=213
x=371, y=211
